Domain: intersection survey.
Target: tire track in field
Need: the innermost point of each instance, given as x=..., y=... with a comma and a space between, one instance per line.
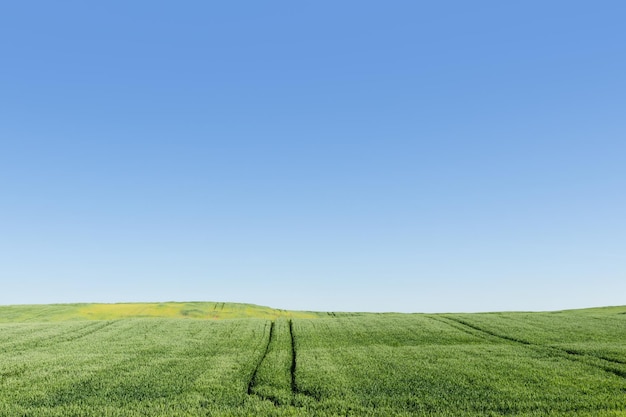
x=295, y=390
x=76, y=334
x=252, y=381
x=569, y=354
x=72, y=337
x=116, y=378
x=64, y=336
x=613, y=360
x=292, y=370
x=459, y=327
x=279, y=334
x=489, y=332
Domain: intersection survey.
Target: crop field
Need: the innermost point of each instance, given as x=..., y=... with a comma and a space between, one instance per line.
x=222, y=359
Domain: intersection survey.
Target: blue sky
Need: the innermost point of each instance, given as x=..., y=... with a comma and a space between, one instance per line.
x=360, y=156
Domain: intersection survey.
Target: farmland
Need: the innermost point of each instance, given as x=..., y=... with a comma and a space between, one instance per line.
x=205, y=359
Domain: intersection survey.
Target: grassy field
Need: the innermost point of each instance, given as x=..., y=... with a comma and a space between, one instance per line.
x=224, y=359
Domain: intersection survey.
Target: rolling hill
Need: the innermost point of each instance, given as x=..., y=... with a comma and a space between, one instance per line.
x=228, y=359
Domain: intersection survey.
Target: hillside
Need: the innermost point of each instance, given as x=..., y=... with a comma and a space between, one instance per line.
x=180, y=359
x=100, y=311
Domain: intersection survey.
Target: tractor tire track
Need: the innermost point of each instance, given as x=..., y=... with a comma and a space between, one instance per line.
x=295, y=389
x=252, y=381
x=572, y=355
x=489, y=332
x=292, y=370
x=462, y=328
x=72, y=337
x=604, y=358
x=281, y=339
x=44, y=340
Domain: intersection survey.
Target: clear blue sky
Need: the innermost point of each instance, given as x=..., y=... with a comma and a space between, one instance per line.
x=327, y=155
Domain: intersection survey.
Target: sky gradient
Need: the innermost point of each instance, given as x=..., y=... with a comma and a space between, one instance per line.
x=337, y=156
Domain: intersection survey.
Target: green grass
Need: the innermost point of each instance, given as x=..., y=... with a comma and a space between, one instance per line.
x=214, y=359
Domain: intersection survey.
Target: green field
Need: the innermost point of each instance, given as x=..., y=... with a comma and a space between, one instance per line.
x=214, y=359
